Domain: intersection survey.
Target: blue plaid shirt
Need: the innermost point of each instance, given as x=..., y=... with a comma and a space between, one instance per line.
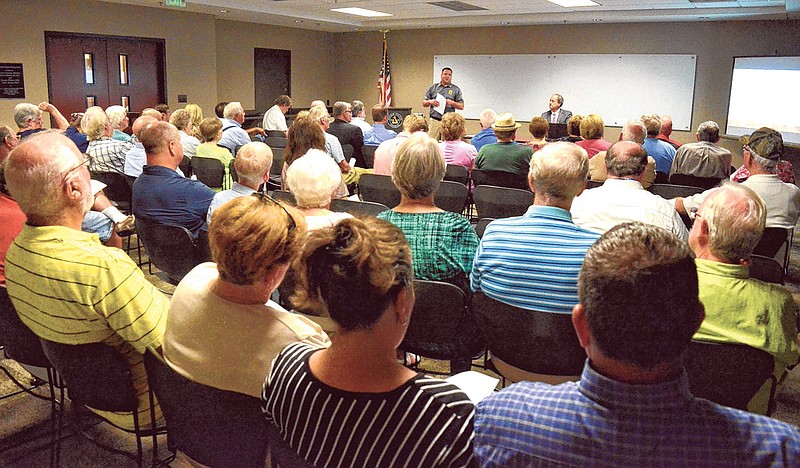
x=602, y=422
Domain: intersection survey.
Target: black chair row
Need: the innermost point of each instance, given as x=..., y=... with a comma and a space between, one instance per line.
x=451, y=196
x=339, y=205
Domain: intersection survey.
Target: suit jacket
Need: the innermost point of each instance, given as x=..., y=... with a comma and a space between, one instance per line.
x=563, y=116
x=349, y=134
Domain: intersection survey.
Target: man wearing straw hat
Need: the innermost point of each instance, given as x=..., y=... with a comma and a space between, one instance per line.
x=505, y=155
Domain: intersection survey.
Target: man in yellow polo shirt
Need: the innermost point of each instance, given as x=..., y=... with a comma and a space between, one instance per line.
x=65, y=285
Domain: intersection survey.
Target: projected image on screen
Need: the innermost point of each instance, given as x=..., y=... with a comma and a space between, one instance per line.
x=765, y=92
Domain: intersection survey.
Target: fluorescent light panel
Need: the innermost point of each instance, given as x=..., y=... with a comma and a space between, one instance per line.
x=574, y=3
x=360, y=12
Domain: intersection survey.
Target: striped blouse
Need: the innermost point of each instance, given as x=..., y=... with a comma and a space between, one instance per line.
x=424, y=422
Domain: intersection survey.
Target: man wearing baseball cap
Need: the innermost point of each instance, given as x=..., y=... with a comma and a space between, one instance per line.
x=505, y=155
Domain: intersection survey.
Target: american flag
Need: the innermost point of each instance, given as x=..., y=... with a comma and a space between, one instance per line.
x=385, y=79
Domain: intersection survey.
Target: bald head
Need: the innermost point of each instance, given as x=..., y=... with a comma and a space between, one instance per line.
x=626, y=159
x=253, y=162
x=666, y=125
x=162, y=144
x=47, y=177
x=142, y=122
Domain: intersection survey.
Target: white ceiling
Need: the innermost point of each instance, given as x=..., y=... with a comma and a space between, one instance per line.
x=418, y=14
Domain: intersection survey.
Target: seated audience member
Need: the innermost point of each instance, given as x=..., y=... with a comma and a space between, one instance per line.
x=28, y=118
x=150, y=112
x=574, y=129
x=118, y=118
x=136, y=158
x=538, y=128
x=305, y=134
x=622, y=198
x=456, y=151
x=505, y=155
x=223, y=330
x=219, y=109
x=333, y=147
x=317, y=103
x=740, y=310
x=347, y=133
x=632, y=405
x=442, y=243
x=592, y=128
x=666, y=131
x=8, y=141
x=359, y=117
x=785, y=172
x=661, y=151
x=313, y=179
x=275, y=117
x=704, y=158
x=160, y=194
x=634, y=131
x=212, y=133
x=182, y=120
x=532, y=261
x=384, y=154
x=359, y=272
x=196, y=116
x=98, y=293
x=252, y=165
x=75, y=133
x=486, y=136
x=233, y=135
x=761, y=153
x=378, y=133
x=556, y=114
x=108, y=155
x=163, y=109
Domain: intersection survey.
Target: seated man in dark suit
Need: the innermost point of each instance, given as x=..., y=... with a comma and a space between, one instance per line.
x=556, y=114
x=347, y=133
x=162, y=195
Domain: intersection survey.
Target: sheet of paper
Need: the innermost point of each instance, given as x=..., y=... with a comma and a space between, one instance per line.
x=442, y=103
x=477, y=386
x=96, y=186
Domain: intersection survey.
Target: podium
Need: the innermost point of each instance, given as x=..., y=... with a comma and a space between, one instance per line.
x=396, y=117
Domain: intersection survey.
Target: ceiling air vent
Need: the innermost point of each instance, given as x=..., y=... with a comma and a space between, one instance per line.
x=457, y=6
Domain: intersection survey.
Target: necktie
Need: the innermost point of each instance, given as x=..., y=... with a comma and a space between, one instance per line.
x=553, y=117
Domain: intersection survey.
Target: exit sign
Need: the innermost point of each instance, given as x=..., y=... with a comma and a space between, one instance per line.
x=176, y=3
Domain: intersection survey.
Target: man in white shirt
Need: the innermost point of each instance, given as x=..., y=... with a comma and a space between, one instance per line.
x=622, y=198
x=275, y=117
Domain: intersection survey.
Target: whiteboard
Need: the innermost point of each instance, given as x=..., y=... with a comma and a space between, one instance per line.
x=617, y=87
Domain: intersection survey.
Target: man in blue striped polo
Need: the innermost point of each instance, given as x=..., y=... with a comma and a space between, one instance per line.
x=532, y=261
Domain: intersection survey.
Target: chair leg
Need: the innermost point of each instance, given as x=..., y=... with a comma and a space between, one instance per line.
x=138, y=434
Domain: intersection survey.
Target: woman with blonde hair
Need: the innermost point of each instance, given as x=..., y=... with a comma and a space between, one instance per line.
x=454, y=150
x=196, y=116
x=364, y=407
x=313, y=179
x=182, y=120
x=592, y=134
x=223, y=330
x=538, y=128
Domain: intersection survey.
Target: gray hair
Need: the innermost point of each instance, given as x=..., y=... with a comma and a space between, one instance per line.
x=312, y=178
x=25, y=111
x=768, y=165
x=634, y=130
x=181, y=119
x=625, y=159
x=358, y=106
x=252, y=161
x=487, y=118
x=559, y=170
x=418, y=167
x=736, y=217
x=708, y=131
x=340, y=107
x=115, y=115
x=232, y=109
x=94, y=123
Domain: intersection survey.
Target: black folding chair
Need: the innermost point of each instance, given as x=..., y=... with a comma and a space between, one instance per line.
x=766, y=269
x=275, y=141
x=209, y=171
x=480, y=228
x=186, y=166
x=369, y=155
x=451, y=196
x=500, y=179
x=276, y=170
x=172, y=249
x=501, y=202
x=343, y=205
x=455, y=173
x=284, y=196
x=704, y=183
x=670, y=191
x=379, y=189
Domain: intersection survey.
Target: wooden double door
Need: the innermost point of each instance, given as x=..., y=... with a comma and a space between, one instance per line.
x=86, y=70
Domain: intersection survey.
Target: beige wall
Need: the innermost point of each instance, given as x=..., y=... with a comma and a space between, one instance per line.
x=312, y=61
x=190, y=40
x=411, y=55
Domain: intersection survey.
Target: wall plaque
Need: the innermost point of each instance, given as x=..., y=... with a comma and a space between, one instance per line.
x=12, y=83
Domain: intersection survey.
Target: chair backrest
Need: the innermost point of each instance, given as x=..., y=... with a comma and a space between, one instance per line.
x=693, y=181
x=275, y=133
x=203, y=246
x=368, y=151
x=441, y=325
x=501, y=202
x=766, y=269
x=348, y=151
x=590, y=184
x=96, y=374
x=117, y=188
x=538, y=342
x=343, y=205
x=186, y=166
x=500, y=179
x=284, y=196
x=455, y=173
x=451, y=196
x=209, y=171
x=212, y=426
x=171, y=248
x=670, y=191
x=275, y=142
x=728, y=374
x=379, y=189
x=771, y=241
x=480, y=228
x=19, y=342
x=232, y=171
x=277, y=162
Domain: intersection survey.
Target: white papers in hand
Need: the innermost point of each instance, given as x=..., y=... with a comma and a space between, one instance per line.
x=442, y=103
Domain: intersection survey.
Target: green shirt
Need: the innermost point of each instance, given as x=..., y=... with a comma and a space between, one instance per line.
x=211, y=150
x=507, y=157
x=442, y=244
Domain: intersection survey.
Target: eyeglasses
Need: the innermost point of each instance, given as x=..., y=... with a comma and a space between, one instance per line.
x=266, y=199
x=87, y=160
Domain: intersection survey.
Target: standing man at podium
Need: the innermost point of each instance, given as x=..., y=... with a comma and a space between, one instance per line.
x=557, y=115
x=452, y=101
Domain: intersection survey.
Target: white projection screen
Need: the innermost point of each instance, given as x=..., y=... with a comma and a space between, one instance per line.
x=765, y=92
x=618, y=87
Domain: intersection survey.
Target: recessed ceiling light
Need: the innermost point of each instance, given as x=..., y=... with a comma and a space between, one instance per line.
x=223, y=11
x=360, y=12
x=574, y=3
